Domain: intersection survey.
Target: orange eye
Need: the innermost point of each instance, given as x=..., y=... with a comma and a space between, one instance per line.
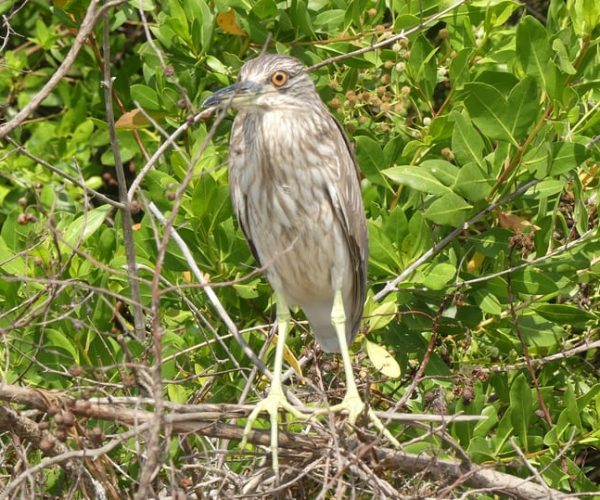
x=279, y=78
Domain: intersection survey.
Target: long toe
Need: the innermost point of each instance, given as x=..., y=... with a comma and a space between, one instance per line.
x=274, y=402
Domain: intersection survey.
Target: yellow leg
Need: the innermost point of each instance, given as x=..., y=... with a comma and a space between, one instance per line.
x=352, y=402
x=276, y=399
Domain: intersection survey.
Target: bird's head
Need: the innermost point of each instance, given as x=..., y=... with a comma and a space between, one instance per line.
x=265, y=83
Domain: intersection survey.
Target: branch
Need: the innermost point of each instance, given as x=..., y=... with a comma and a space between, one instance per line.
x=126, y=218
x=300, y=447
x=390, y=286
x=30, y=431
x=387, y=41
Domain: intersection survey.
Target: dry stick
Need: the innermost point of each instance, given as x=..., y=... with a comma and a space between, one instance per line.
x=548, y=359
x=206, y=423
x=428, y=352
x=532, y=469
x=526, y=354
x=138, y=314
x=301, y=445
x=87, y=25
x=150, y=466
x=391, y=285
x=387, y=41
x=162, y=148
x=212, y=296
x=69, y=456
x=30, y=431
x=564, y=248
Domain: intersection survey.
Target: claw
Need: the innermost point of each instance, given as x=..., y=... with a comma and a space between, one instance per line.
x=275, y=401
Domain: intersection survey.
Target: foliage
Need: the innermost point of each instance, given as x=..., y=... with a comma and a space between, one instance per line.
x=446, y=122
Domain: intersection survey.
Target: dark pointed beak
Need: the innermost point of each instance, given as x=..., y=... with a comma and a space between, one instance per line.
x=229, y=96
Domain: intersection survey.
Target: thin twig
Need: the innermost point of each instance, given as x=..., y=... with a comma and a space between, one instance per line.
x=388, y=41
x=127, y=221
x=391, y=285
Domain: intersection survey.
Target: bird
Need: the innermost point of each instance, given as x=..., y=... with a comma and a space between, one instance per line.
x=295, y=189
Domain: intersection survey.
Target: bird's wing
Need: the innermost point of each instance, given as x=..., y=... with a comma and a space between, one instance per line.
x=239, y=200
x=347, y=203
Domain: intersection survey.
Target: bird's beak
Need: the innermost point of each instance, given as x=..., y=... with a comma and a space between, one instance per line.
x=238, y=94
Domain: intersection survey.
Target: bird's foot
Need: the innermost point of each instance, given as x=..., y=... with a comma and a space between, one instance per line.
x=354, y=406
x=274, y=402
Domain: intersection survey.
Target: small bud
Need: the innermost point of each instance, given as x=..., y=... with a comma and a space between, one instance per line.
x=388, y=64
x=427, y=121
x=171, y=196
x=61, y=435
x=385, y=79
x=47, y=443
x=405, y=91
x=380, y=28
x=135, y=207
x=75, y=371
x=444, y=34
x=169, y=70
x=372, y=12
x=22, y=201
x=400, y=67
x=22, y=219
x=96, y=435
x=68, y=419
x=448, y=154
x=335, y=103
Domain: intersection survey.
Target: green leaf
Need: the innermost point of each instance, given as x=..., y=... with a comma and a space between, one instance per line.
x=473, y=183
x=483, y=427
x=546, y=188
x=522, y=407
x=382, y=315
x=86, y=225
x=585, y=15
x=416, y=178
x=9, y=261
x=487, y=107
x=567, y=156
x=436, y=276
x=564, y=62
x=523, y=107
x=532, y=282
x=58, y=339
x=370, y=158
x=177, y=393
x=459, y=68
x=467, y=144
x=449, y=210
x=382, y=360
x=564, y=314
x=533, y=49
x=146, y=97
x=442, y=170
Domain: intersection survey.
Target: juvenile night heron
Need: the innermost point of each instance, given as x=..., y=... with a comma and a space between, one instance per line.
x=296, y=191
